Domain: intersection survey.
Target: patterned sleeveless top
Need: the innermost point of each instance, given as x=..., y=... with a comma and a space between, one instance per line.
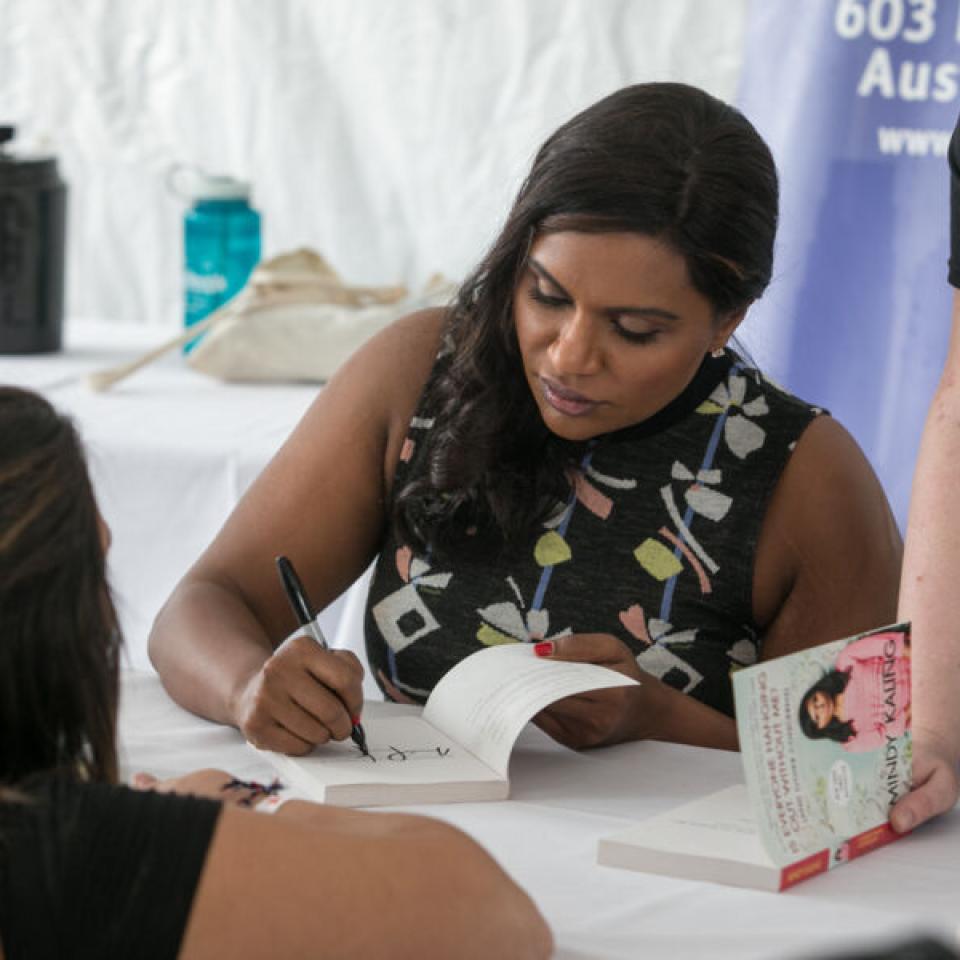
x=655, y=544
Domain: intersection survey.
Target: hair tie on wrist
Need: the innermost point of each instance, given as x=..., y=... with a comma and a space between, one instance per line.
x=256, y=789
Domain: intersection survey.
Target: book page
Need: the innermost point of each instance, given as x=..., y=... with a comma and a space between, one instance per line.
x=403, y=751
x=825, y=742
x=714, y=838
x=486, y=700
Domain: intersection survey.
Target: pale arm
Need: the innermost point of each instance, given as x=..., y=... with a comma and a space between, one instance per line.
x=930, y=600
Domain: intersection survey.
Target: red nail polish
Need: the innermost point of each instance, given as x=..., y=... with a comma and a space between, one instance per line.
x=544, y=648
x=355, y=720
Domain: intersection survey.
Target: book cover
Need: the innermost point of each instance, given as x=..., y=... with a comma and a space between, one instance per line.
x=826, y=751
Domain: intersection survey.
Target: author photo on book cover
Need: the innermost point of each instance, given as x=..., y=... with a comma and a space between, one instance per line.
x=865, y=698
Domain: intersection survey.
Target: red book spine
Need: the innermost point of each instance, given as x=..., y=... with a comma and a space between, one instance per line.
x=794, y=873
x=871, y=839
x=856, y=846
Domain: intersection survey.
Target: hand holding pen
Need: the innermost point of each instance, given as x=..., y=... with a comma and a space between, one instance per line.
x=306, y=617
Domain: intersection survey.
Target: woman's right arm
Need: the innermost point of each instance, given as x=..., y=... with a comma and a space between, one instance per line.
x=322, y=502
x=928, y=595
x=313, y=881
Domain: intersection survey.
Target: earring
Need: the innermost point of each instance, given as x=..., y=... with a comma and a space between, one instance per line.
x=718, y=353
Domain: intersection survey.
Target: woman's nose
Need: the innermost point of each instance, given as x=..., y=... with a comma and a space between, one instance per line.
x=576, y=349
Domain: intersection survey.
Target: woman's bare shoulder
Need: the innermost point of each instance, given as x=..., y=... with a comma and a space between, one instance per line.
x=828, y=557
x=391, y=368
x=828, y=480
x=408, y=345
x=408, y=349
x=376, y=389
x=395, y=371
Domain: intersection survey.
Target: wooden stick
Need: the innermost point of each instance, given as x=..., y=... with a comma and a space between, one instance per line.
x=102, y=380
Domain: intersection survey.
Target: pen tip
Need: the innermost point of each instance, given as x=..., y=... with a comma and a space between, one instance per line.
x=360, y=739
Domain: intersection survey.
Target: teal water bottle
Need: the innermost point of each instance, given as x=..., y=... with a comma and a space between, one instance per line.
x=221, y=243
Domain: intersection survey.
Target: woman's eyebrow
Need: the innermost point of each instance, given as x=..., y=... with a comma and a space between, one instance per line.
x=657, y=312
x=541, y=271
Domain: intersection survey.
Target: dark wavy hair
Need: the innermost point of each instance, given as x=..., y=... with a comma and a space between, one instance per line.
x=832, y=683
x=59, y=642
x=664, y=160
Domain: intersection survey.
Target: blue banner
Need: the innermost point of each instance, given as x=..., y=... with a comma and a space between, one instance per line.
x=857, y=99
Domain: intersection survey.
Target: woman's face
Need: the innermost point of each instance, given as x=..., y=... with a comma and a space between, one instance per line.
x=820, y=709
x=610, y=329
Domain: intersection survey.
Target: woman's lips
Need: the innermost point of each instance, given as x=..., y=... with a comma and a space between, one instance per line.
x=566, y=401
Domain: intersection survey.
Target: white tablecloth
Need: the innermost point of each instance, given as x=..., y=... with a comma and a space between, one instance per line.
x=170, y=452
x=562, y=802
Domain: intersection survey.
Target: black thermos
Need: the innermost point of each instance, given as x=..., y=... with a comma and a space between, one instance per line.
x=33, y=202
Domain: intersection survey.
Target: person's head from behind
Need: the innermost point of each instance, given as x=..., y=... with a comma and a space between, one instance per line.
x=638, y=240
x=58, y=633
x=819, y=712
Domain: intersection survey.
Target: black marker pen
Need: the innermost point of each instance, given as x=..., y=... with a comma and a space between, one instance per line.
x=305, y=615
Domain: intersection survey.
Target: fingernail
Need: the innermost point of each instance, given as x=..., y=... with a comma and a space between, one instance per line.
x=904, y=823
x=355, y=720
x=544, y=648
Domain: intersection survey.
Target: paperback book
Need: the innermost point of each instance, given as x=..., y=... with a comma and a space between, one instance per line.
x=826, y=751
x=459, y=748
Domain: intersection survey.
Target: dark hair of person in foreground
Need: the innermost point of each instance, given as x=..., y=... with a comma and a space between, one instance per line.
x=185, y=869
x=59, y=647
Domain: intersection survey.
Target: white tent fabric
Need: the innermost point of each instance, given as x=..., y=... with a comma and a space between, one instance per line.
x=391, y=137
x=388, y=136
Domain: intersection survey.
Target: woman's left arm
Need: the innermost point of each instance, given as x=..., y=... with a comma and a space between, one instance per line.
x=828, y=558
x=827, y=563
x=827, y=566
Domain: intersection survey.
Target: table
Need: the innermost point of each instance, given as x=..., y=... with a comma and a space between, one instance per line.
x=562, y=802
x=170, y=453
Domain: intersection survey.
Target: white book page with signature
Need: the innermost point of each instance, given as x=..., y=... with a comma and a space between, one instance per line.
x=487, y=699
x=403, y=750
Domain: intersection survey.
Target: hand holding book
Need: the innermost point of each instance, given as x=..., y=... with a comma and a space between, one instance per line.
x=595, y=717
x=936, y=783
x=826, y=749
x=653, y=710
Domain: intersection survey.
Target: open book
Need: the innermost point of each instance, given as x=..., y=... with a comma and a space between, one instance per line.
x=826, y=750
x=459, y=747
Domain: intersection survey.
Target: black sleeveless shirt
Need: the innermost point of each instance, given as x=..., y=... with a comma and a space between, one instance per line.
x=655, y=544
